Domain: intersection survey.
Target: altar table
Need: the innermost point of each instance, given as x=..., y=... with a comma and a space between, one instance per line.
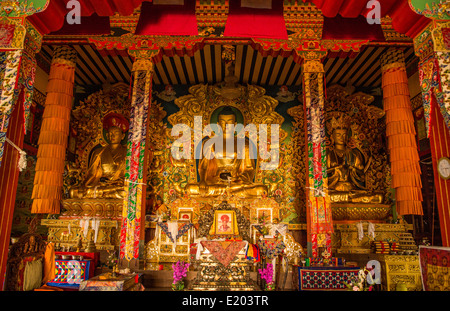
x=324, y=277
x=106, y=282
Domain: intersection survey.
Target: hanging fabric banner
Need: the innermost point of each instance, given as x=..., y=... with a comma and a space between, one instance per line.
x=135, y=183
x=400, y=132
x=320, y=219
x=8, y=91
x=430, y=82
x=443, y=59
x=48, y=180
x=28, y=75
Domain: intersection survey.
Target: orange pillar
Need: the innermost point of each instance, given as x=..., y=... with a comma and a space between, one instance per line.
x=400, y=132
x=48, y=181
x=9, y=177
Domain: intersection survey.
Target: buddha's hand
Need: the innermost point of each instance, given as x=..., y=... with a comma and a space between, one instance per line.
x=202, y=188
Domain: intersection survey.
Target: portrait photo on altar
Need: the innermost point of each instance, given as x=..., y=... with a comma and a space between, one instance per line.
x=224, y=222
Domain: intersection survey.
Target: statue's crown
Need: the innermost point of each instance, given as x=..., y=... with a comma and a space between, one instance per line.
x=342, y=122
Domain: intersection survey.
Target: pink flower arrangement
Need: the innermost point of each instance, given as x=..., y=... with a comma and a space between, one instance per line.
x=267, y=273
x=179, y=271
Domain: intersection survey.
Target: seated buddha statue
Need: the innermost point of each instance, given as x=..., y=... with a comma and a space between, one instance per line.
x=222, y=172
x=346, y=168
x=106, y=171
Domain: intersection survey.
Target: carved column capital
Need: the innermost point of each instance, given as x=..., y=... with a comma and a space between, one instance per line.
x=313, y=65
x=393, y=58
x=64, y=54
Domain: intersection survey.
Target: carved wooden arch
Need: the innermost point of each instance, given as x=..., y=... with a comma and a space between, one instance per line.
x=30, y=244
x=207, y=220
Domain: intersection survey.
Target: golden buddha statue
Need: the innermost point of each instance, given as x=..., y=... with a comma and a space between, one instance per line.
x=346, y=167
x=222, y=172
x=106, y=172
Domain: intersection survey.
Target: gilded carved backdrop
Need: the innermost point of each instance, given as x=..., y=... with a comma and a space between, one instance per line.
x=179, y=104
x=367, y=134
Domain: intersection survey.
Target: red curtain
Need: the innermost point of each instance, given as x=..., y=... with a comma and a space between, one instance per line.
x=256, y=23
x=9, y=177
x=53, y=17
x=351, y=29
x=168, y=19
x=404, y=19
x=90, y=25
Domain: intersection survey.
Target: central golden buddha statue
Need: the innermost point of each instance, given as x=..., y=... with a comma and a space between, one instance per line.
x=223, y=173
x=346, y=168
x=106, y=172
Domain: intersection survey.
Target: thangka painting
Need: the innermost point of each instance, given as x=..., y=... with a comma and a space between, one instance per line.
x=434, y=267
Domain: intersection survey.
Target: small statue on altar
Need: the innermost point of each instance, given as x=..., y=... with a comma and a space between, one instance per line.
x=79, y=245
x=224, y=173
x=161, y=210
x=346, y=167
x=106, y=172
x=326, y=258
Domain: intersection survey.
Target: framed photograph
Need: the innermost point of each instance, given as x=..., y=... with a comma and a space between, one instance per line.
x=224, y=222
x=264, y=215
x=185, y=215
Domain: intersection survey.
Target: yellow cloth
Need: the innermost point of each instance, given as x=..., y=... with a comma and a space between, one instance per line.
x=32, y=276
x=49, y=263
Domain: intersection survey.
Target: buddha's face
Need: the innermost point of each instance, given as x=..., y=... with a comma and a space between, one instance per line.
x=223, y=120
x=340, y=136
x=115, y=135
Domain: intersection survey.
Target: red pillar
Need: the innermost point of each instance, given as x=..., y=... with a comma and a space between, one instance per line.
x=9, y=177
x=440, y=147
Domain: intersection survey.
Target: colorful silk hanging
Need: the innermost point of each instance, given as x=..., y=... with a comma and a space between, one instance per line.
x=318, y=203
x=9, y=91
x=400, y=132
x=28, y=75
x=135, y=182
x=48, y=181
x=443, y=97
x=430, y=82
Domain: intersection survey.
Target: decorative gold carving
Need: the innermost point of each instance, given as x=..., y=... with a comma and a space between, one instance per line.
x=161, y=249
x=211, y=13
x=207, y=220
x=304, y=20
x=212, y=275
x=299, y=170
x=100, y=208
x=345, y=239
x=128, y=23
x=66, y=233
x=20, y=33
x=438, y=38
x=365, y=142
x=361, y=211
x=390, y=34
x=423, y=43
x=403, y=269
x=204, y=100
